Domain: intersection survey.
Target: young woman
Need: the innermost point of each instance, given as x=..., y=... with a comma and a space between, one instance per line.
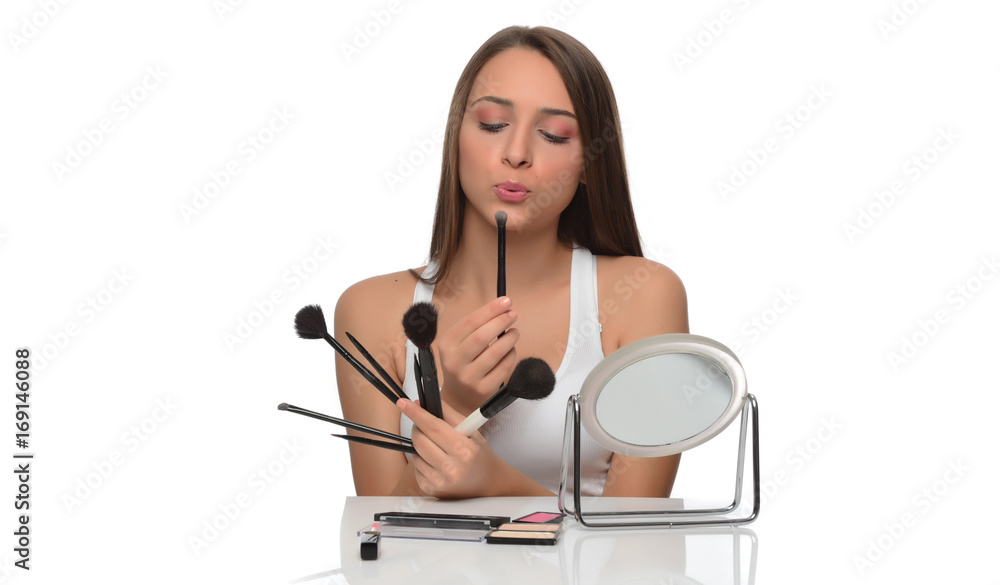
x=534, y=131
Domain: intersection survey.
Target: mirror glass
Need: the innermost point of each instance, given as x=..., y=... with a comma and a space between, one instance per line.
x=662, y=395
x=663, y=399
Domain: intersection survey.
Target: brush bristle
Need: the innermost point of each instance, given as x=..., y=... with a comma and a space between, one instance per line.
x=501, y=217
x=283, y=406
x=420, y=323
x=310, y=322
x=532, y=379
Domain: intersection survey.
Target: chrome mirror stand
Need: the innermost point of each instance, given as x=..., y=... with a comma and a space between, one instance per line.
x=724, y=516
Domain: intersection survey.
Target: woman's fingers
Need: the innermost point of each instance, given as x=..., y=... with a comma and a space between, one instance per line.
x=485, y=314
x=443, y=456
x=440, y=436
x=473, y=360
x=480, y=329
x=478, y=360
x=448, y=465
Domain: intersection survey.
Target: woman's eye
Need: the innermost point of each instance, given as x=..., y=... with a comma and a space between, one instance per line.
x=553, y=138
x=494, y=128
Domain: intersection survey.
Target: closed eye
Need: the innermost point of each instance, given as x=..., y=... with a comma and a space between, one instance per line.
x=553, y=138
x=495, y=128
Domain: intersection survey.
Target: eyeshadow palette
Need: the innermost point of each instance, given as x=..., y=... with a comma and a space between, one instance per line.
x=545, y=537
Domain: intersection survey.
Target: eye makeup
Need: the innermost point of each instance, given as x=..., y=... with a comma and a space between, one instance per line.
x=561, y=137
x=527, y=527
x=559, y=130
x=520, y=537
x=541, y=517
x=491, y=119
x=521, y=532
x=491, y=128
x=553, y=138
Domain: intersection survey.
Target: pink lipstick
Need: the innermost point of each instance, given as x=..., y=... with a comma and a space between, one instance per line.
x=512, y=191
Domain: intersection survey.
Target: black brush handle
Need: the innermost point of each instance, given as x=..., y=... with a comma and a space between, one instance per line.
x=344, y=423
x=501, y=261
x=378, y=368
x=360, y=367
x=431, y=400
x=499, y=401
x=418, y=379
x=377, y=443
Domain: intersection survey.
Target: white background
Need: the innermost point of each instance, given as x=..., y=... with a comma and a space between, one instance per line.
x=151, y=400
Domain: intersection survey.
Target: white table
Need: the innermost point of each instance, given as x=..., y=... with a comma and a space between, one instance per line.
x=582, y=555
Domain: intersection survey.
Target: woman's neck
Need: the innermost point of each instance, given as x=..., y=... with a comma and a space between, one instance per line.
x=532, y=257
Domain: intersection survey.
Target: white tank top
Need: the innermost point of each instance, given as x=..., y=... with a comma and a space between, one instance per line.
x=529, y=434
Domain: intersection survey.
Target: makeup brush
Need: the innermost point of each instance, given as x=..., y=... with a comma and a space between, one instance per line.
x=405, y=448
x=378, y=368
x=344, y=423
x=420, y=326
x=532, y=379
x=311, y=324
x=501, y=217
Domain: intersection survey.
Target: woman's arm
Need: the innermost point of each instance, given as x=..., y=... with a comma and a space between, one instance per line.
x=639, y=298
x=371, y=310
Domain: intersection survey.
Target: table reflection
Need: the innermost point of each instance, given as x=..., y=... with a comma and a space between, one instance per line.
x=707, y=556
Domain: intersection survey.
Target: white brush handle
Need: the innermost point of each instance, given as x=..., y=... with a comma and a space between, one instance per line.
x=471, y=423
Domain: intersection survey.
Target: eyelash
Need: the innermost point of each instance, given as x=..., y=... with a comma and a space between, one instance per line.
x=494, y=128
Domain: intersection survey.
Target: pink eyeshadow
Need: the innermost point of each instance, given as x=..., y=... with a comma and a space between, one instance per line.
x=539, y=517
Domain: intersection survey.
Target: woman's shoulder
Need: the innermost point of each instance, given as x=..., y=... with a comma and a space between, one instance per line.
x=372, y=310
x=634, y=272
x=639, y=297
x=382, y=286
x=384, y=290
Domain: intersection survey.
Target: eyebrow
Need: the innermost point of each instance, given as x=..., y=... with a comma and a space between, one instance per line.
x=509, y=104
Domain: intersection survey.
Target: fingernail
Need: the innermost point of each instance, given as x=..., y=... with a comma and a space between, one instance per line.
x=401, y=404
x=505, y=302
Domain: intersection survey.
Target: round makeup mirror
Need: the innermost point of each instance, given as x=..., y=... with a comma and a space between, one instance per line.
x=662, y=395
x=656, y=397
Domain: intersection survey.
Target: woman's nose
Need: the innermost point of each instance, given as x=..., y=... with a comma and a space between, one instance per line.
x=517, y=152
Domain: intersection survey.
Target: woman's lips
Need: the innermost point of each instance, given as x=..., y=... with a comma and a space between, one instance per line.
x=512, y=191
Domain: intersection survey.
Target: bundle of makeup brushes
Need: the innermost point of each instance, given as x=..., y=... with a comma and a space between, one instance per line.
x=532, y=378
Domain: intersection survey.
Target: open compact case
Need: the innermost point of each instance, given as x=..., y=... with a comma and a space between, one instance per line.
x=655, y=397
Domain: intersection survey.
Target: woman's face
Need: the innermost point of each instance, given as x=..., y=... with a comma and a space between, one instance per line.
x=519, y=144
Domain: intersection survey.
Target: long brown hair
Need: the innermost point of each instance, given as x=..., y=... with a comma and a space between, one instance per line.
x=600, y=216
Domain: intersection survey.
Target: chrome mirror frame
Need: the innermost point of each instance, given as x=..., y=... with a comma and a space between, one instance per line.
x=581, y=408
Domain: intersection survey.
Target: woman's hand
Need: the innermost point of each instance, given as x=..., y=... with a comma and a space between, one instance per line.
x=472, y=360
x=448, y=464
